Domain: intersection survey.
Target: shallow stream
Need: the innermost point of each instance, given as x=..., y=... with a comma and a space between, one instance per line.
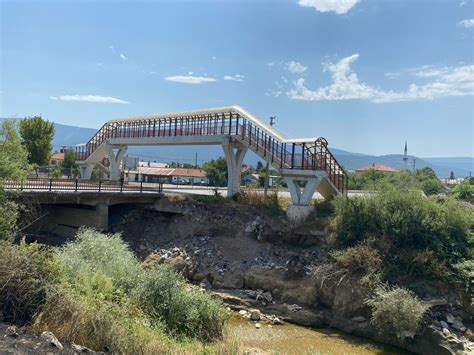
x=293, y=339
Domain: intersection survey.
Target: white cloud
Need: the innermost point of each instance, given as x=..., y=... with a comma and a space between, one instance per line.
x=237, y=77
x=462, y=3
x=90, y=98
x=112, y=48
x=468, y=23
x=295, y=67
x=345, y=85
x=337, y=6
x=189, y=79
x=123, y=56
x=270, y=64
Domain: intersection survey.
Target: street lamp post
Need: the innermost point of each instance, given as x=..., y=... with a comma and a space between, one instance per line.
x=265, y=185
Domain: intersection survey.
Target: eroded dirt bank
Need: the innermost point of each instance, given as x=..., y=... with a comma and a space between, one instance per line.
x=257, y=261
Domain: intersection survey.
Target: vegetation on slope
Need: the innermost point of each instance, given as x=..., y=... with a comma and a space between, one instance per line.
x=94, y=292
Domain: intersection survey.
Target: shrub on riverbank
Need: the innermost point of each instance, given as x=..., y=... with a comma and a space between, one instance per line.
x=414, y=235
x=94, y=292
x=103, y=265
x=396, y=310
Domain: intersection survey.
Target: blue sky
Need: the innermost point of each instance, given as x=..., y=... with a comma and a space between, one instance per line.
x=364, y=74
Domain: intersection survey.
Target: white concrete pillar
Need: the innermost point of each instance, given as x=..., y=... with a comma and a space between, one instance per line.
x=234, y=154
x=86, y=171
x=115, y=160
x=298, y=197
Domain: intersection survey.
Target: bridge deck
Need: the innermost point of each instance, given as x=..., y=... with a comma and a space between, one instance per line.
x=212, y=126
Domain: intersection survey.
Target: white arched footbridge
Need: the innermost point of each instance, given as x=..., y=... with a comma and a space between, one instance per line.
x=237, y=130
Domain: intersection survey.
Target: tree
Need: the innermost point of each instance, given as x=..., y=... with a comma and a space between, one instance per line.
x=13, y=155
x=451, y=175
x=13, y=166
x=37, y=135
x=216, y=170
x=69, y=159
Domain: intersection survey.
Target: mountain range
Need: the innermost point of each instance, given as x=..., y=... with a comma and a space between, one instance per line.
x=460, y=166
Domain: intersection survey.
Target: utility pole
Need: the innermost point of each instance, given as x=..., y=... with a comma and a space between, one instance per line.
x=265, y=185
x=196, y=160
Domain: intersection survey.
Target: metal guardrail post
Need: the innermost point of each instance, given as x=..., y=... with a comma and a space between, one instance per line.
x=121, y=185
x=100, y=184
x=50, y=184
x=76, y=183
x=141, y=186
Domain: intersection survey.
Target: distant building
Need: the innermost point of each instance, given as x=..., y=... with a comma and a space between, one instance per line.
x=154, y=172
x=187, y=176
x=376, y=167
x=57, y=158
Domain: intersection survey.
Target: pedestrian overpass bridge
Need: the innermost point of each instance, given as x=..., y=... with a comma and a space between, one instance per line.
x=302, y=162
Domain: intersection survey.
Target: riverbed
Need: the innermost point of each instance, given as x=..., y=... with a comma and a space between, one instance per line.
x=294, y=339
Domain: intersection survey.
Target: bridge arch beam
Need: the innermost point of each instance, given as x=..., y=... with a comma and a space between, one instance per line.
x=234, y=152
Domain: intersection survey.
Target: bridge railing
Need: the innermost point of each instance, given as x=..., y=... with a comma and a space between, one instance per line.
x=285, y=154
x=47, y=184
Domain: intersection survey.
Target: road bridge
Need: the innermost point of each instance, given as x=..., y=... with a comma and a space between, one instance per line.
x=307, y=165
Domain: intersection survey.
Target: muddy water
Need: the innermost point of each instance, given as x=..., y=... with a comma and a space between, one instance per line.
x=293, y=339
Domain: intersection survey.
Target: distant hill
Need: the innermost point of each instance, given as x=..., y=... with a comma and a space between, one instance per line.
x=461, y=166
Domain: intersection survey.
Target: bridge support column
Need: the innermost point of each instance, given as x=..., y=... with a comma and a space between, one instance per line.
x=115, y=161
x=86, y=171
x=301, y=199
x=234, y=154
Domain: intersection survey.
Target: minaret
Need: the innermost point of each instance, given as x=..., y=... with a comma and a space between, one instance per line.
x=405, y=157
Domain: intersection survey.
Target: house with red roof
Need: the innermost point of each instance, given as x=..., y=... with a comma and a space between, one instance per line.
x=376, y=167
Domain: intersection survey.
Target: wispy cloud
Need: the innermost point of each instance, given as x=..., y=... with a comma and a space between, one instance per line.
x=112, y=48
x=462, y=3
x=123, y=56
x=190, y=79
x=467, y=23
x=345, y=85
x=90, y=98
x=295, y=67
x=338, y=6
x=237, y=77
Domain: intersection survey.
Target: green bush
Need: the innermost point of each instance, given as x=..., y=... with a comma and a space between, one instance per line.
x=9, y=212
x=102, y=267
x=26, y=275
x=163, y=294
x=95, y=255
x=406, y=225
x=396, y=310
x=361, y=258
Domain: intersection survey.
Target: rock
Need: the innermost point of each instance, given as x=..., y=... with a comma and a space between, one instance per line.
x=142, y=247
x=255, y=314
x=276, y=320
x=436, y=302
x=444, y=324
x=205, y=284
x=458, y=325
x=449, y=318
x=267, y=296
x=11, y=331
x=80, y=348
x=235, y=281
x=243, y=313
x=446, y=331
x=359, y=319
x=51, y=339
x=258, y=325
